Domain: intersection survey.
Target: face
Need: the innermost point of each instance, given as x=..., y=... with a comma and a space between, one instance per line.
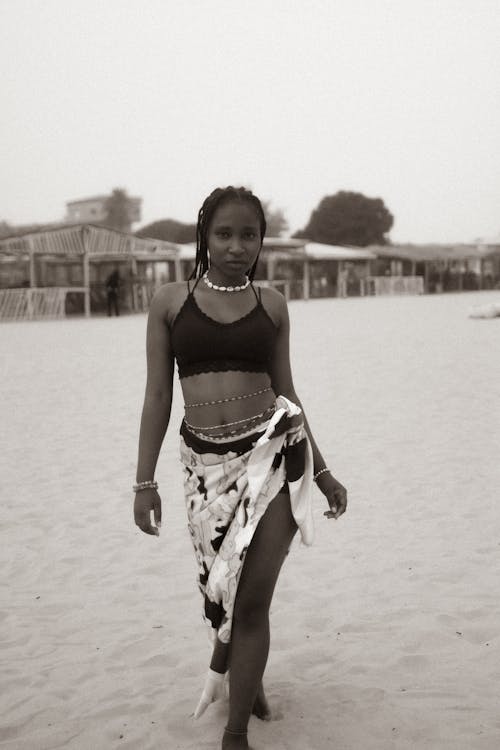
x=233, y=240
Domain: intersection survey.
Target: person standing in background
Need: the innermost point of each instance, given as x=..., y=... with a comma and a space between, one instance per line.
x=112, y=292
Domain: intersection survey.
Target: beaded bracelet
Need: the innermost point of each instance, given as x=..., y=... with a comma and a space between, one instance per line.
x=148, y=484
x=321, y=471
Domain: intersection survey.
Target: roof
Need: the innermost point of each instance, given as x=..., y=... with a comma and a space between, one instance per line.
x=88, y=200
x=433, y=252
x=318, y=251
x=94, y=198
x=187, y=251
x=283, y=242
x=75, y=239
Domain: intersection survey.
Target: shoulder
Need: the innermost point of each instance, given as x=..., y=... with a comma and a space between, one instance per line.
x=275, y=305
x=168, y=300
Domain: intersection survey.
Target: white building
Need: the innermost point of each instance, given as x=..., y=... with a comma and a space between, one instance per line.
x=93, y=210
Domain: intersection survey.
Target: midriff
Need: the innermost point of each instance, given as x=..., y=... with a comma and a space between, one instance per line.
x=217, y=386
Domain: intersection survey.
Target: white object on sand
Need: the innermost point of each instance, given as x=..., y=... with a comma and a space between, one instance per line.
x=212, y=691
x=486, y=311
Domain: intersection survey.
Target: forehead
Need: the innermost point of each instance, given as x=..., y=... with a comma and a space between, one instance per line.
x=232, y=213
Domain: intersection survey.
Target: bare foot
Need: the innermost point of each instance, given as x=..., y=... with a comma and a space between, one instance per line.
x=234, y=741
x=261, y=708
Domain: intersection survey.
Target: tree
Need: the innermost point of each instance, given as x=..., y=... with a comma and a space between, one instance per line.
x=275, y=220
x=172, y=230
x=348, y=218
x=5, y=229
x=169, y=230
x=118, y=210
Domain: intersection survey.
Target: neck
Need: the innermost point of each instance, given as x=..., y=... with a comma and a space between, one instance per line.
x=224, y=279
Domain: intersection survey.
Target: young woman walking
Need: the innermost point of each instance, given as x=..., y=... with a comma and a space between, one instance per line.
x=248, y=454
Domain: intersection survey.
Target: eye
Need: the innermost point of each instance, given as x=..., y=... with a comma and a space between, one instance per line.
x=250, y=235
x=223, y=233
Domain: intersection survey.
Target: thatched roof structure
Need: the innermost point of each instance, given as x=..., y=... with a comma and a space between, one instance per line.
x=433, y=252
x=79, y=239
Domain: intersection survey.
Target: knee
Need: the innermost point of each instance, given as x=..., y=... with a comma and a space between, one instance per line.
x=251, y=610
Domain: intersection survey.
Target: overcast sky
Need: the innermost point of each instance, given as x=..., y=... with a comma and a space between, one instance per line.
x=398, y=100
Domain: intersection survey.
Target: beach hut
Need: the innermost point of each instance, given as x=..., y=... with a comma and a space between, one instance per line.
x=49, y=273
x=312, y=269
x=303, y=269
x=439, y=268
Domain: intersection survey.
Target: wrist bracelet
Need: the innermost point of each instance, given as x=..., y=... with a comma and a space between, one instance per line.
x=321, y=471
x=148, y=484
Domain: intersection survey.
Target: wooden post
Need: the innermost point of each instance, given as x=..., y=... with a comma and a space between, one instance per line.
x=341, y=280
x=133, y=283
x=86, y=272
x=31, y=246
x=426, y=277
x=178, y=269
x=270, y=267
x=307, y=279
x=29, y=304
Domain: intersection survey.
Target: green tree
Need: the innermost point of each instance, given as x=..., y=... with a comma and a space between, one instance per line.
x=118, y=211
x=348, y=218
x=275, y=220
x=169, y=230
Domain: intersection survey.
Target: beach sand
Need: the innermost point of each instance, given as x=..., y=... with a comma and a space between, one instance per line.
x=385, y=633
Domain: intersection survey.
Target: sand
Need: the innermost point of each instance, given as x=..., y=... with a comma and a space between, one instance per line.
x=385, y=634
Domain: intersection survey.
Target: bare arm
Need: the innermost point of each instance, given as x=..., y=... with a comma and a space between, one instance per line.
x=156, y=409
x=282, y=382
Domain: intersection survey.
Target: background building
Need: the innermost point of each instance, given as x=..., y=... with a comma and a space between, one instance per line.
x=93, y=210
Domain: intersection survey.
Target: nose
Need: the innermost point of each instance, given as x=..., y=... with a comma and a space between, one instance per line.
x=236, y=249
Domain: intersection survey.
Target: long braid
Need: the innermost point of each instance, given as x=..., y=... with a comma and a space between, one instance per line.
x=205, y=215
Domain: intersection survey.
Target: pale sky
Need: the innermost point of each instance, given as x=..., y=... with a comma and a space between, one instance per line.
x=297, y=100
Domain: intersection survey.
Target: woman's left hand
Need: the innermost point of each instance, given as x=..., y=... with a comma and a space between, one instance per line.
x=335, y=493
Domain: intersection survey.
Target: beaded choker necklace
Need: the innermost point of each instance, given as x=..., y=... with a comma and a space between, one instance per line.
x=225, y=288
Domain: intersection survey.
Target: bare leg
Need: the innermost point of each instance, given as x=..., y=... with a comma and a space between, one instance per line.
x=250, y=631
x=220, y=664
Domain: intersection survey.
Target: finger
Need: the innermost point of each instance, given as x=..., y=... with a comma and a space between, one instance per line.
x=144, y=523
x=341, y=503
x=337, y=504
x=157, y=512
x=150, y=530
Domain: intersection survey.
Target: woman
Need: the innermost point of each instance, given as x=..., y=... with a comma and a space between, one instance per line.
x=249, y=456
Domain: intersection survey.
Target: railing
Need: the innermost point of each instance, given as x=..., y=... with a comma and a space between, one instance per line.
x=379, y=285
x=34, y=303
x=281, y=284
x=142, y=294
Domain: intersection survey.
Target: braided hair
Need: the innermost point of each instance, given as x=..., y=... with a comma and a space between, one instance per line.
x=205, y=216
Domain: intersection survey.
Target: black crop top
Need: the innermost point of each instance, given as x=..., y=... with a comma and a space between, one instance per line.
x=202, y=344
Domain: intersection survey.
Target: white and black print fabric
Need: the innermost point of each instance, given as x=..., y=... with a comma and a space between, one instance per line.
x=228, y=488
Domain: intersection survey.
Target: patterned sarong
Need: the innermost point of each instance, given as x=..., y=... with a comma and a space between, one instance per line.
x=228, y=487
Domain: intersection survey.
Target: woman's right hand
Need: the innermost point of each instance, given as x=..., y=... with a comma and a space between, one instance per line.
x=145, y=502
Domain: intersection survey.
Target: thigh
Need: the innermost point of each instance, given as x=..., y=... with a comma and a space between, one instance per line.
x=265, y=556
